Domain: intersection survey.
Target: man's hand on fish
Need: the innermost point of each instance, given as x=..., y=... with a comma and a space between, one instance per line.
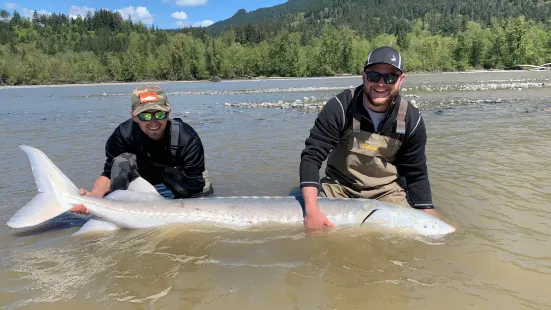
x=80, y=208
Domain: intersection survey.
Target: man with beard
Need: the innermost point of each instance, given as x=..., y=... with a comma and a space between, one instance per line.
x=374, y=142
x=166, y=152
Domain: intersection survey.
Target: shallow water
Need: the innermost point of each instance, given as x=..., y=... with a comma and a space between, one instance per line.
x=488, y=168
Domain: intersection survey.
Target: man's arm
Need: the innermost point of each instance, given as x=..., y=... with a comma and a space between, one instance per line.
x=113, y=148
x=324, y=136
x=313, y=218
x=192, y=155
x=101, y=187
x=413, y=167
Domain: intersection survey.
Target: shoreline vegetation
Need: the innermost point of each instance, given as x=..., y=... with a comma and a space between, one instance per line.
x=105, y=48
x=261, y=78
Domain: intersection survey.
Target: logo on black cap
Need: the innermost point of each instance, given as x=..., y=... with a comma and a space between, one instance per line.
x=384, y=55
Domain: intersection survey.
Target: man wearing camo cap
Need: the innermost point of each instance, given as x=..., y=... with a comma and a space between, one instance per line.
x=166, y=152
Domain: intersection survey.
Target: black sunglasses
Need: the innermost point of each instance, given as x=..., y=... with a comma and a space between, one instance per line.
x=147, y=116
x=389, y=78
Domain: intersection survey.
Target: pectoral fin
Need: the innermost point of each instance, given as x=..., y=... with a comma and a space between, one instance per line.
x=96, y=224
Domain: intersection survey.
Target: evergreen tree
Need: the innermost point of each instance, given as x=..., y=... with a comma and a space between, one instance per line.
x=297, y=38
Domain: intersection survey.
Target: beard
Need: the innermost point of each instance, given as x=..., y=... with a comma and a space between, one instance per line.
x=388, y=101
x=155, y=135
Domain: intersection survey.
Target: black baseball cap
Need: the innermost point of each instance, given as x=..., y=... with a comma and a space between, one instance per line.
x=385, y=55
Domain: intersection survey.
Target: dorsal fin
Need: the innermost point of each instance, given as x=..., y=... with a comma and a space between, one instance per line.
x=122, y=195
x=140, y=185
x=138, y=190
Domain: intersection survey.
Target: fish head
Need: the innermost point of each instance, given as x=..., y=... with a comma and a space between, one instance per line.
x=405, y=219
x=431, y=226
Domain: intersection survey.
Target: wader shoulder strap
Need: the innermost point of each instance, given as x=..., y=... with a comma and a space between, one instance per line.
x=174, y=137
x=401, y=118
x=356, y=115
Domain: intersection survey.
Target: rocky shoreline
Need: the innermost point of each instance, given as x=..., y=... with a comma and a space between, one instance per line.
x=414, y=94
x=313, y=104
x=480, y=86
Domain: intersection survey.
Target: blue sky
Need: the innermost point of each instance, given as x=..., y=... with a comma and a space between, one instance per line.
x=161, y=13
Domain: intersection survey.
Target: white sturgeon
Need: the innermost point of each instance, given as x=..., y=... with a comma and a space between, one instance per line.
x=141, y=206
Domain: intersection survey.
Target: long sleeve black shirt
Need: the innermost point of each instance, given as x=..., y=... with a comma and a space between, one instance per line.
x=152, y=156
x=336, y=117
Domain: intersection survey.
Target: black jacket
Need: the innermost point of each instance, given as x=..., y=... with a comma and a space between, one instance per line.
x=153, y=157
x=336, y=117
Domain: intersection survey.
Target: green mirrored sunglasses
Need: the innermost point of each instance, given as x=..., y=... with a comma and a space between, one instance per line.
x=147, y=116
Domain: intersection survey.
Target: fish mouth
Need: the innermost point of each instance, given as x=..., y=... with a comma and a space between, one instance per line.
x=450, y=229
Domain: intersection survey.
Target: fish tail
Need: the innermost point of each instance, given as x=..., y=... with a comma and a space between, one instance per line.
x=54, y=190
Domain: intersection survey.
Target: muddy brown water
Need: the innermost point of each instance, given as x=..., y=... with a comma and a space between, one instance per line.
x=489, y=169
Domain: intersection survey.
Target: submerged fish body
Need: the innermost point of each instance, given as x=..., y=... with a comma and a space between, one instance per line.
x=142, y=207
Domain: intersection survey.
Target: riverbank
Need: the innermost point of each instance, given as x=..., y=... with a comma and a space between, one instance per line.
x=252, y=79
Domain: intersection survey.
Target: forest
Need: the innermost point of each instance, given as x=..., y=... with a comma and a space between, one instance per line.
x=300, y=38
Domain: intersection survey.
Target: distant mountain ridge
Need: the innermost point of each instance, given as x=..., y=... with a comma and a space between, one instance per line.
x=372, y=17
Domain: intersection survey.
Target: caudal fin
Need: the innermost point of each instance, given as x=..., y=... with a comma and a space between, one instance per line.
x=53, y=186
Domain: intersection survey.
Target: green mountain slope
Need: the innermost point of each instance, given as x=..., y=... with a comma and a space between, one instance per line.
x=373, y=17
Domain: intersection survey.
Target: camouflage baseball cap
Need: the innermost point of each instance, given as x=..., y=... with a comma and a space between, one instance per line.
x=149, y=97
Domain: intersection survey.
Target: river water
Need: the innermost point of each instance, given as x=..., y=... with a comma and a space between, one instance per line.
x=488, y=146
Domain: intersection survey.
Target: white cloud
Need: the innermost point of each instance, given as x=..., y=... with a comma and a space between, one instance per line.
x=29, y=13
x=190, y=2
x=75, y=11
x=140, y=13
x=10, y=6
x=23, y=11
x=179, y=15
x=204, y=23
